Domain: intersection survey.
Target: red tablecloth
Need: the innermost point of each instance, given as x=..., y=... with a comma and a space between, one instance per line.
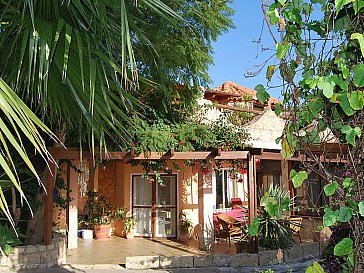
x=238, y=214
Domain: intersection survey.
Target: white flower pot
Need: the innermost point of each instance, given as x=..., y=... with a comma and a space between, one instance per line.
x=87, y=234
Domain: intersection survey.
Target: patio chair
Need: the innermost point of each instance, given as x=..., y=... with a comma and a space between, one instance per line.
x=296, y=225
x=228, y=227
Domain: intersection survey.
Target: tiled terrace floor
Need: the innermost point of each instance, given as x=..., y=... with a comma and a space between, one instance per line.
x=116, y=249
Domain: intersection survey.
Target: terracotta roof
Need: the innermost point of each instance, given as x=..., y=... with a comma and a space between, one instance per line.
x=231, y=89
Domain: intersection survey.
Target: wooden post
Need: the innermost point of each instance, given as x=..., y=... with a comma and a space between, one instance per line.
x=252, y=200
x=72, y=221
x=48, y=207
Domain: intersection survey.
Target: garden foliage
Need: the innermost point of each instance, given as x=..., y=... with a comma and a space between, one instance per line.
x=320, y=56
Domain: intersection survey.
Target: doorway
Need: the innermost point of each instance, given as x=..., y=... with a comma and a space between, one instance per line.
x=154, y=205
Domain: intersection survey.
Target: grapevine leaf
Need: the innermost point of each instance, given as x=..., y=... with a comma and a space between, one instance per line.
x=344, y=247
x=345, y=214
x=315, y=268
x=331, y=188
x=282, y=50
x=359, y=75
x=360, y=38
x=340, y=3
x=298, y=178
x=361, y=208
x=270, y=72
x=330, y=217
x=356, y=100
x=327, y=88
x=262, y=94
x=279, y=109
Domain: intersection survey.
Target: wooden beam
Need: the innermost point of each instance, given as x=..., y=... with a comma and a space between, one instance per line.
x=48, y=206
x=252, y=201
x=74, y=154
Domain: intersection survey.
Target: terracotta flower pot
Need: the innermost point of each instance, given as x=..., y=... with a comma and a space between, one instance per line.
x=102, y=231
x=184, y=237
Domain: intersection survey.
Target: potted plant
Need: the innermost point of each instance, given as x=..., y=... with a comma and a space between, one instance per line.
x=129, y=225
x=184, y=227
x=242, y=245
x=102, y=214
x=317, y=233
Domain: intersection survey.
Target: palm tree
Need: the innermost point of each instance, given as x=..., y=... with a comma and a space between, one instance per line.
x=72, y=63
x=17, y=120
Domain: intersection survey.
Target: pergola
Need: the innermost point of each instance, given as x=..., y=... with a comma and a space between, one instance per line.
x=59, y=153
x=249, y=154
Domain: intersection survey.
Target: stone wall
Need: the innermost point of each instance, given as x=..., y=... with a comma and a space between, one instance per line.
x=263, y=258
x=36, y=256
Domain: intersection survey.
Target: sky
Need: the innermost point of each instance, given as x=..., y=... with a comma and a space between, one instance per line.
x=236, y=53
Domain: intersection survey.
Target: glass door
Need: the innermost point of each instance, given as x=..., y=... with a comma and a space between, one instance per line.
x=166, y=207
x=142, y=206
x=155, y=206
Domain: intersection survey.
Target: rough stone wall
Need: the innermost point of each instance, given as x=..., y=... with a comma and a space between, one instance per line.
x=265, y=129
x=36, y=256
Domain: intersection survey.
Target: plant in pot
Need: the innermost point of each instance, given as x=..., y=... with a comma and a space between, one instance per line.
x=129, y=225
x=273, y=228
x=184, y=227
x=242, y=245
x=316, y=236
x=102, y=214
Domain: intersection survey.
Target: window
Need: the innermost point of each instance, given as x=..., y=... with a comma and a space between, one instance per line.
x=268, y=172
x=310, y=197
x=228, y=188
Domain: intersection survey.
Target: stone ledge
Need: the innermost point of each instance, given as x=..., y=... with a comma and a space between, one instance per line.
x=263, y=258
x=36, y=256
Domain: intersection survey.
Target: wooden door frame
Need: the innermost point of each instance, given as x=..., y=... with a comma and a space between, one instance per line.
x=154, y=203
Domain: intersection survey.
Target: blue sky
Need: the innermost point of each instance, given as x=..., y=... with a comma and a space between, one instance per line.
x=235, y=51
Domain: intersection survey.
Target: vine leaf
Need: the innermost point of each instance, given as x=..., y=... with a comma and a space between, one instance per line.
x=356, y=100
x=282, y=2
x=348, y=183
x=279, y=109
x=262, y=94
x=270, y=72
x=298, y=178
x=315, y=268
x=287, y=150
x=359, y=75
x=340, y=3
x=344, y=247
x=282, y=50
x=344, y=103
x=351, y=133
x=360, y=38
x=345, y=214
x=327, y=87
x=330, y=217
x=331, y=188
x=361, y=208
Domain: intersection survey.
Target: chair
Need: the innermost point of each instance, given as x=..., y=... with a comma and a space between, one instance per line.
x=227, y=227
x=296, y=225
x=236, y=201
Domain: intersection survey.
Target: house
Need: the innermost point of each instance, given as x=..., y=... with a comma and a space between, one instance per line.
x=198, y=189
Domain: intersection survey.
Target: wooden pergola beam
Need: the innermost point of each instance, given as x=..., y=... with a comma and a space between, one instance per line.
x=74, y=153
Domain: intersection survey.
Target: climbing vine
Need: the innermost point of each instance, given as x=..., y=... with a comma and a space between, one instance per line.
x=319, y=52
